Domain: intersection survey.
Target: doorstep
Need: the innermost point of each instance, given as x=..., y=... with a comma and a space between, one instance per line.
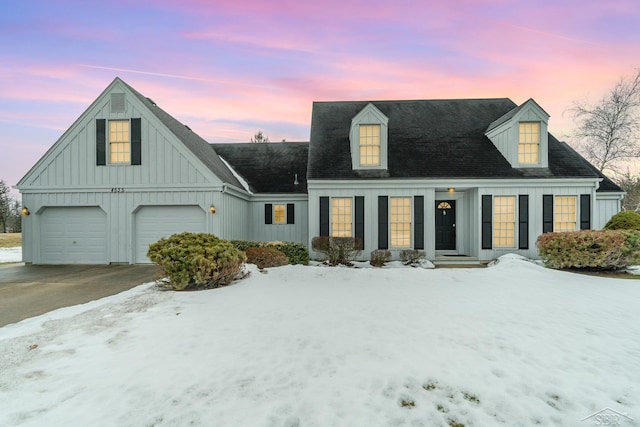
x=456, y=260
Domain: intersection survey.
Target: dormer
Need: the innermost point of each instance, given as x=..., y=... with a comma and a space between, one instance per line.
x=521, y=136
x=368, y=139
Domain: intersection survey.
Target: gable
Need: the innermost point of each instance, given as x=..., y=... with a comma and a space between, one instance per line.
x=164, y=158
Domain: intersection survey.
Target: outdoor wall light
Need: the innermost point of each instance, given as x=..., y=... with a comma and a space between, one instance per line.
x=452, y=190
x=212, y=209
x=25, y=211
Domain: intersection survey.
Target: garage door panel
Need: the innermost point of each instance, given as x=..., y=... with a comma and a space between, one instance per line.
x=73, y=235
x=155, y=222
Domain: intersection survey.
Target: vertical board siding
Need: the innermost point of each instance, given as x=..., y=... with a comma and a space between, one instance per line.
x=263, y=232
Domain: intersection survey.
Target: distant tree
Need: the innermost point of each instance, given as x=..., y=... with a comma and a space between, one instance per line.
x=15, y=217
x=609, y=130
x=631, y=185
x=5, y=205
x=259, y=137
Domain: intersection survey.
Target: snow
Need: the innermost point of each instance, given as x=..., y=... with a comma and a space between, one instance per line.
x=10, y=254
x=514, y=344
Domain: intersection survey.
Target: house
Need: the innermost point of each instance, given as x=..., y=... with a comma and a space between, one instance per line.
x=470, y=177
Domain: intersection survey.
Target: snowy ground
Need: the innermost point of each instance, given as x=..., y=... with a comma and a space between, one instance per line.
x=10, y=255
x=513, y=345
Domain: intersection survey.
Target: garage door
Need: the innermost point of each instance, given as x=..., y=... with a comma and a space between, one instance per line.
x=73, y=235
x=154, y=222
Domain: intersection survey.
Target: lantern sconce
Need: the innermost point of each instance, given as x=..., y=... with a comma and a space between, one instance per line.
x=452, y=190
x=212, y=209
x=25, y=211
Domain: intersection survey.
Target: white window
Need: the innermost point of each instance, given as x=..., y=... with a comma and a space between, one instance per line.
x=119, y=142
x=529, y=143
x=279, y=214
x=341, y=217
x=400, y=223
x=369, y=145
x=564, y=212
x=504, y=221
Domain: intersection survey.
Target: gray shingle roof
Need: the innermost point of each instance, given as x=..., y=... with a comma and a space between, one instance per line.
x=198, y=146
x=430, y=139
x=269, y=167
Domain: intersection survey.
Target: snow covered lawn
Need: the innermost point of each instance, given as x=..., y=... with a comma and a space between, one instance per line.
x=514, y=345
x=10, y=255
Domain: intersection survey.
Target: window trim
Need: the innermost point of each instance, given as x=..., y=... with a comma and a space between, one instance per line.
x=392, y=222
x=110, y=142
x=513, y=223
x=331, y=216
x=557, y=212
x=523, y=144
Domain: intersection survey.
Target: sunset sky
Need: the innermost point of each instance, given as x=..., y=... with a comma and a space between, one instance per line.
x=230, y=68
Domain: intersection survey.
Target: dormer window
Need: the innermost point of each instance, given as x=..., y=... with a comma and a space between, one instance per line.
x=369, y=145
x=368, y=139
x=529, y=143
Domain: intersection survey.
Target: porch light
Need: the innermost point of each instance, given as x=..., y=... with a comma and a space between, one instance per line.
x=452, y=190
x=25, y=211
x=212, y=209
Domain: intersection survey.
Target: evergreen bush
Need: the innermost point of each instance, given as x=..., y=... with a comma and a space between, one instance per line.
x=266, y=257
x=625, y=220
x=197, y=260
x=590, y=249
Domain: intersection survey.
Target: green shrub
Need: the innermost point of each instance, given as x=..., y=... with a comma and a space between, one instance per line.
x=379, y=257
x=197, y=260
x=297, y=253
x=338, y=250
x=625, y=220
x=411, y=256
x=266, y=257
x=595, y=249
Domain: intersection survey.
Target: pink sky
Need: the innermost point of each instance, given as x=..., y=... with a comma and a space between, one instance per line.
x=230, y=68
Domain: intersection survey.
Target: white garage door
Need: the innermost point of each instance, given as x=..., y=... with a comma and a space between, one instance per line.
x=73, y=235
x=154, y=222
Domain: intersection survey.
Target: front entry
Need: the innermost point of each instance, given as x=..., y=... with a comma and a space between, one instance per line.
x=445, y=225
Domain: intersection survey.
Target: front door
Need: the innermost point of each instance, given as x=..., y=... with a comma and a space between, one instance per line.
x=445, y=225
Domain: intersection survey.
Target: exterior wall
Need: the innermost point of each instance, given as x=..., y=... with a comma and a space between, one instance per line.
x=235, y=221
x=606, y=206
x=535, y=213
x=120, y=209
x=371, y=194
x=296, y=232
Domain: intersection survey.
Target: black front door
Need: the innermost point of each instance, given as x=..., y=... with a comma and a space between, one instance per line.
x=445, y=225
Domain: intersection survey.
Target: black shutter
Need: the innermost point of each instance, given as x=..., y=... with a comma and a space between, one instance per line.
x=547, y=213
x=360, y=220
x=324, y=216
x=585, y=211
x=101, y=142
x=523, y=221
x=268, y=213
x=383, y=222
x=290, y=213
x=136, y=142
x=418, y=222
x=487, y=218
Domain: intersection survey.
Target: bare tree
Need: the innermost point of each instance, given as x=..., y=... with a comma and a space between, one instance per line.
x=5, y=205
x=609, y=130
x=259, y=137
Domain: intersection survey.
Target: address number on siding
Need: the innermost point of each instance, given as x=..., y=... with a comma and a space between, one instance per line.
x=117, y=190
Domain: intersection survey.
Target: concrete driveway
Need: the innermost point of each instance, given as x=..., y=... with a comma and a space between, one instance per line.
x=31, y=290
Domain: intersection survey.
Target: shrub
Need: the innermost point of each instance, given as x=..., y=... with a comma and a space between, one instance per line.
x=411, y=256
x=297, y=253
x=338, y=250
x=379, y=257
x=197, y=260
x=625, y=220
x=596, y=249
x=266, y=257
